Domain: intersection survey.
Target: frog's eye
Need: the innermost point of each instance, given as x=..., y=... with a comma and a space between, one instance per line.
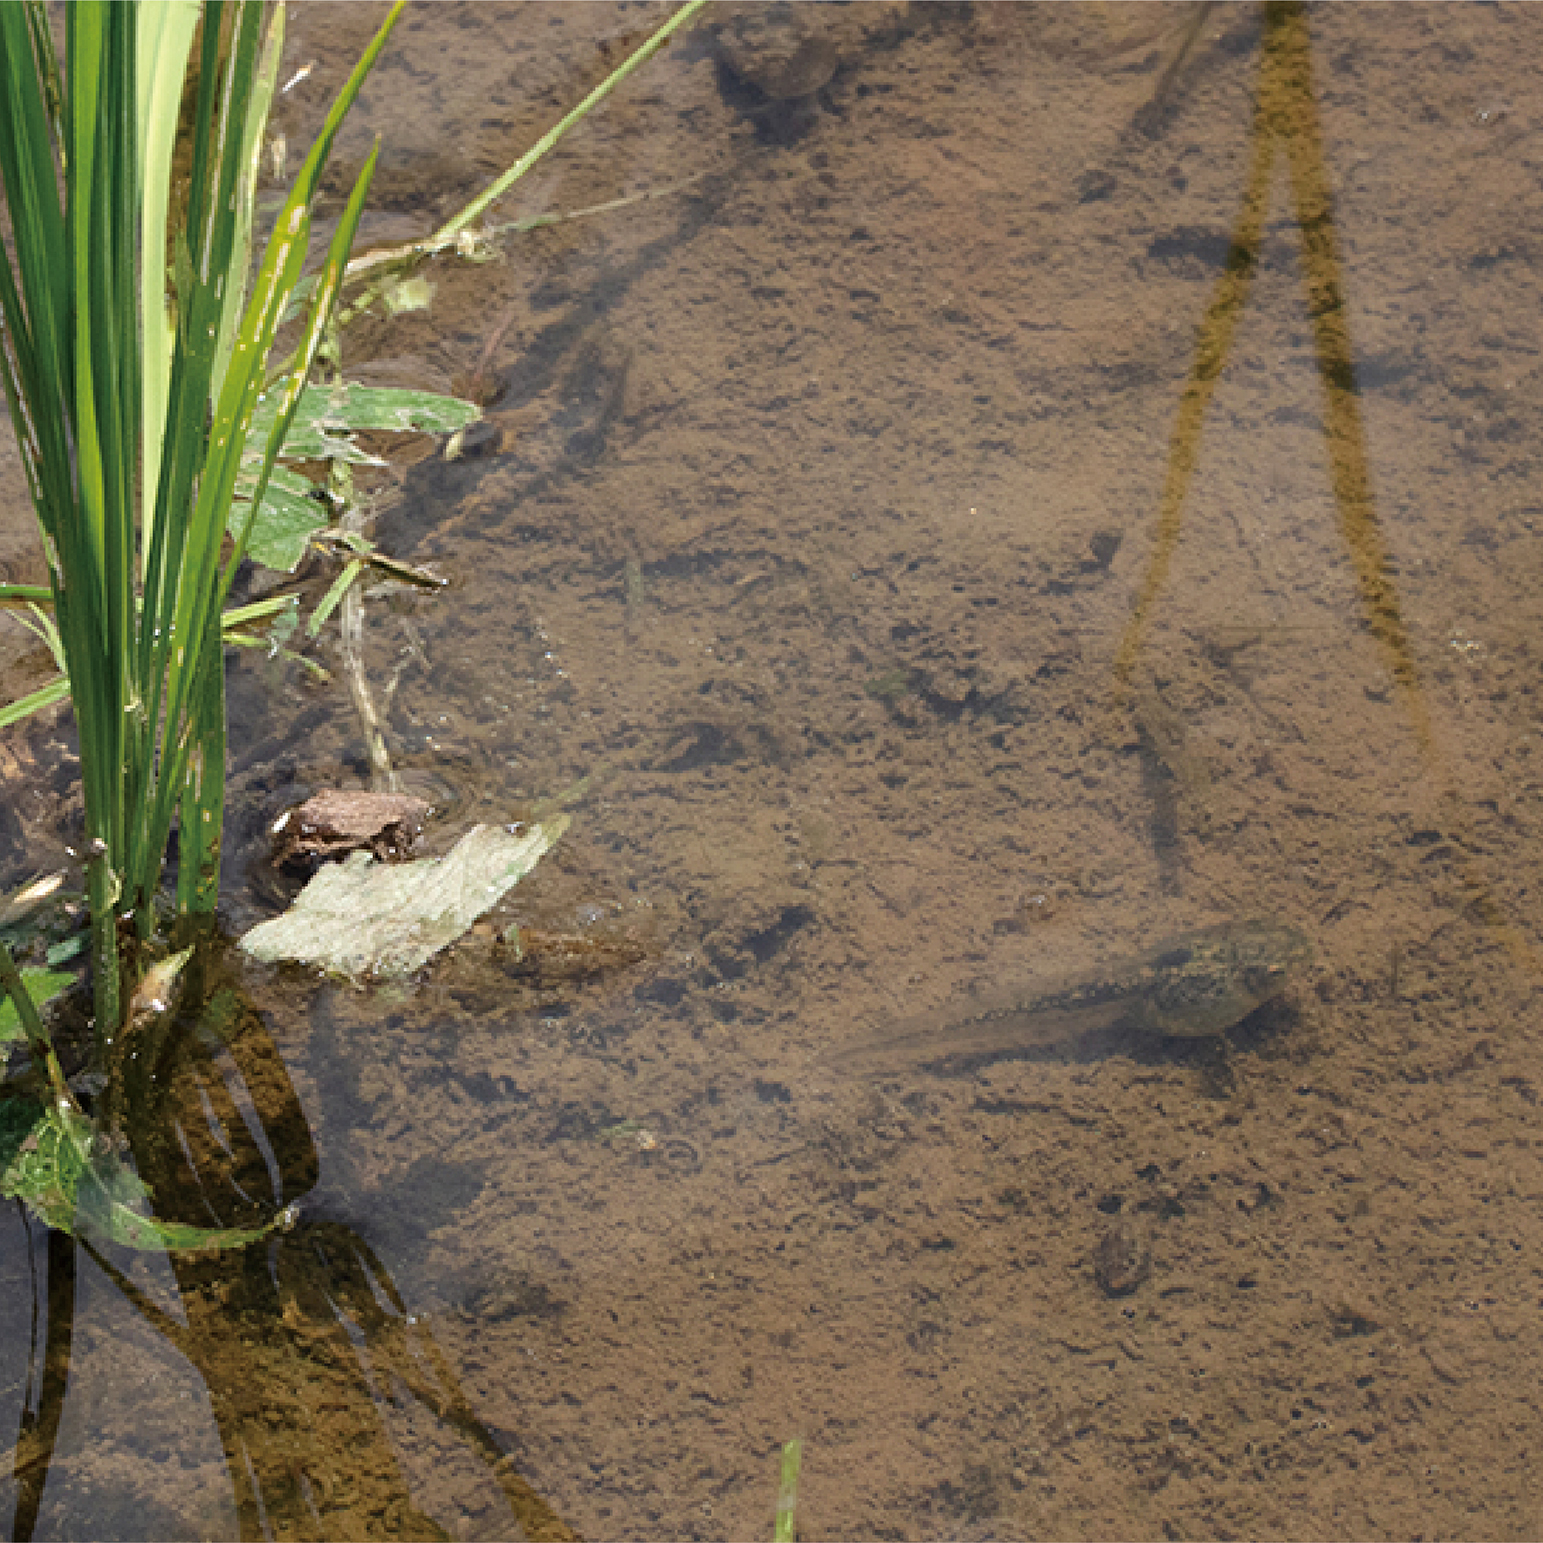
x=1264, y=977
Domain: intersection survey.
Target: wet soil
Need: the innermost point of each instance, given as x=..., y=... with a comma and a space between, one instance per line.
x=858, y=519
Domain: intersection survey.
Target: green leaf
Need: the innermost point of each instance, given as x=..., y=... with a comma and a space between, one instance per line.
x=284, y=524
x=42, y=986
x=401, y=411
x=182, y=650
x=786, y=1527
x=18, y=1118
x=34, y=702
x=363, y=919
x=327, y=418
x=402, y=296
x=52, y=1158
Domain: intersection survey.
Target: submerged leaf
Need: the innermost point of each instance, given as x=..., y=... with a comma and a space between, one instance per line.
x=42, y=986
x=395, y=409
x=323, y=428
x=327, y=418
x=52, y=1159
x=364, y=918
x=401, y=295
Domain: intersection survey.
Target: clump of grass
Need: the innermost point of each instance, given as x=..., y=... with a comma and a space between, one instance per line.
x=136, y=362
x=134, y=382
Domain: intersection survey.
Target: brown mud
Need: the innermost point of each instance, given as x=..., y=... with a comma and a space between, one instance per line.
x=946, y=534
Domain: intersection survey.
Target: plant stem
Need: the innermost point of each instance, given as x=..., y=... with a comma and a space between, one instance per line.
x=32, y=1025
x=102, y=893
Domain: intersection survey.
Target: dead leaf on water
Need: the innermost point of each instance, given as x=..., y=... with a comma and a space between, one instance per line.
x=369, y=920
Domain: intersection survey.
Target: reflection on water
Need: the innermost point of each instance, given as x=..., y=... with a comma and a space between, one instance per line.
x=1062, y=478
x=1286, y=124
x=304, y=1346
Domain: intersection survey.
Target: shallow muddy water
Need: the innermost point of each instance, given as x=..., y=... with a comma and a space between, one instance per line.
x=1035, y=482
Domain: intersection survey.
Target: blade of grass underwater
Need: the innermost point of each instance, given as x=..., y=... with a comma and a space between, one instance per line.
x=786, y=1528
x=34, y=702
x=334, y=596
x=239, y=615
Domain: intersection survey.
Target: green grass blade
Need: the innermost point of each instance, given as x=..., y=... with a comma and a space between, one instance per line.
x=202, y=586
x=133, y=418
x=787, y=1493
x=37, y=368
x=206, y=290
x=258, y=610
x=248, y=165
x=35, y=701
x=473, y=211
x=334, y=596
x=11, y=985
x=203, y=794
x=165, y=43
x=324, y=298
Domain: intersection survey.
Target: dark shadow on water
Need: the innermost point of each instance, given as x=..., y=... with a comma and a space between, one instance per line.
x=43, y=1404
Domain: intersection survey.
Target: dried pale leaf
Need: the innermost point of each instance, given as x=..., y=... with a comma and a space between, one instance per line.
x=367, y=919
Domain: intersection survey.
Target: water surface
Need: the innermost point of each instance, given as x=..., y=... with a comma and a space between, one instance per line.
x=1065, y=480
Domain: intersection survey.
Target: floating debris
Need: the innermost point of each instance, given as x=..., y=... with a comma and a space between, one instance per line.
x=364, y=919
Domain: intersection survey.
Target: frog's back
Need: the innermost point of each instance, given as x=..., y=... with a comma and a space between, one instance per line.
x=1197, y=985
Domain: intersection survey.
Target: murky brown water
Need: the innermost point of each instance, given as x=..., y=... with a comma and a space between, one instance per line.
x=1067, y=481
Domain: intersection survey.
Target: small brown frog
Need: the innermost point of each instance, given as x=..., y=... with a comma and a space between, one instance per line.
x=337, y=821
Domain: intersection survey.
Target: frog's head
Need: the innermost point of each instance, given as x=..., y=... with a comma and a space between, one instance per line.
x=1219, y=977
x=1266, y=954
